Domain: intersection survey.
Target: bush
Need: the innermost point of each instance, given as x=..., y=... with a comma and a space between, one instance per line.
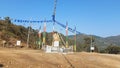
x=113, y=49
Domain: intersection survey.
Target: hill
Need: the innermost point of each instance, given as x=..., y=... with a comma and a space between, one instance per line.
x=100, y=42
x=115, y=40
x=10, y=33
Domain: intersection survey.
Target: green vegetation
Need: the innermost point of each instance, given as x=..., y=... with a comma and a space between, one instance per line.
x=111, y=50
x=85, y=46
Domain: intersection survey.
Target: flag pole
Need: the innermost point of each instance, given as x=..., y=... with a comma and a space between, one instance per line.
x=28, y=34
x=44, y=33
x=66, y=35
x=39, y=40
x=75, y=40
x=53, y=31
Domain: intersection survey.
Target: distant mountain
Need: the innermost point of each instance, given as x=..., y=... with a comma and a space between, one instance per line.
x=100, y=42
x=114, y=40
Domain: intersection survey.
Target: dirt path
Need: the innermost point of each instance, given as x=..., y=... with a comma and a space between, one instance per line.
x=12, y=58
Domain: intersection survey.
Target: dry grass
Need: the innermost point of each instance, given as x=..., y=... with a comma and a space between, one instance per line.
x=24, y=58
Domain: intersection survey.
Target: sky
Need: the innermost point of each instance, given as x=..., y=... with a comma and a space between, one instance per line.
x=97, y=17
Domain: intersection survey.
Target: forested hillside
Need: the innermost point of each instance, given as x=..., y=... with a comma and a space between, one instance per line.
x=10, y=33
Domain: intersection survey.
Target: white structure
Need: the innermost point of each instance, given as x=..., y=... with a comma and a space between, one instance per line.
x=51, y=49
x=48, y=49
x=92, y=48
x=18, y=43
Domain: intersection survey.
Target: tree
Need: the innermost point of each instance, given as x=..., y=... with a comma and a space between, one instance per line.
x=87, y=43
x=96, y=48
x=7, y=19
x=113, y=49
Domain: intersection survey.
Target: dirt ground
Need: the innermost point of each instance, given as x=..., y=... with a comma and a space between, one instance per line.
x=27, y=58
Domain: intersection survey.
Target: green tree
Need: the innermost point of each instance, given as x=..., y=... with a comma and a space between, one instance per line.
x=87, y=43
x=7, y=19
x=112, y=49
